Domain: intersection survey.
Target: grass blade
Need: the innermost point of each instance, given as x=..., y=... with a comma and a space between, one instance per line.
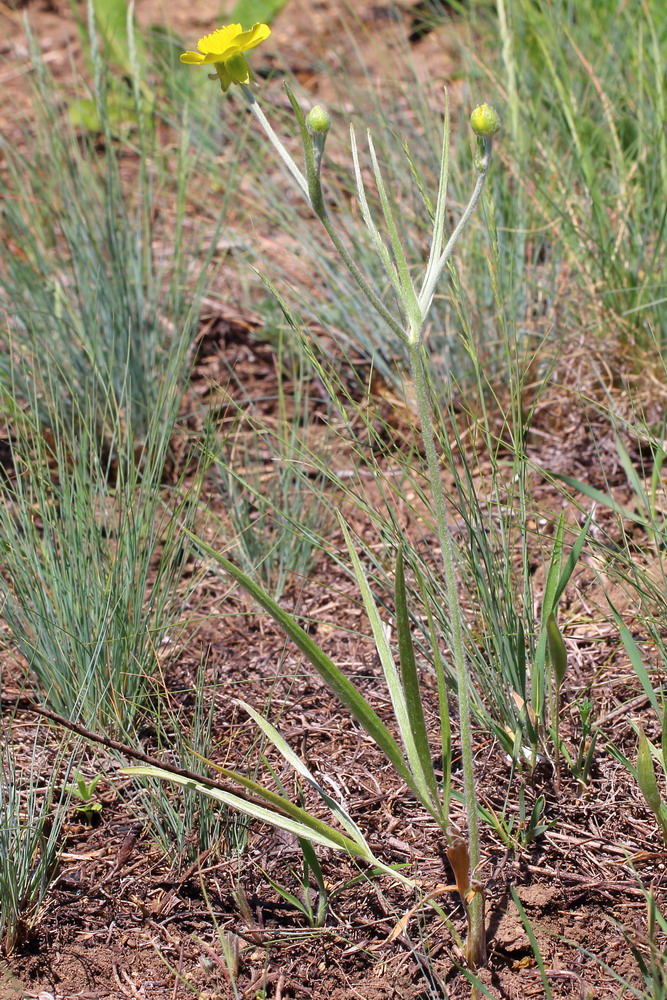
x=381, y=250
x=635, y=657
x=292, y=818
x=602, y=498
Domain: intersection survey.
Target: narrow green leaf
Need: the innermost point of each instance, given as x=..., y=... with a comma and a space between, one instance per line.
x=438, y=237
x=408, y=294
x=419, y=783
x=534, y=945
x=550, y=588
x=278, y=802
x=295, y=762
x=632, y=476
x=553, y=573
x=656, y=479
x=312, y=864
x=602, y=498
x=443, y=701
x=622, y=759
x=419, y=182
x=289, y=897
x=344, y=690
x=646, y=776
x=635, y=657
x=556, y=582
x=380, y=248
x=521, y=658
x=571, y=561
x=557, y=650
x=410, y=678
x=299, y=822
x=477, y=983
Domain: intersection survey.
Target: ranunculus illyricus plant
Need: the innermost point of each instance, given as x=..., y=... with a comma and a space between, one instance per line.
x=224, y=48
x=407, y=315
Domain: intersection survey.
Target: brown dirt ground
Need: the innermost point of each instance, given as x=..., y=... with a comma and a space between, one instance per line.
x=121, y=922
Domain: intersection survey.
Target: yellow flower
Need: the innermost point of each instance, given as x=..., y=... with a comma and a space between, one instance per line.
x=224, y=48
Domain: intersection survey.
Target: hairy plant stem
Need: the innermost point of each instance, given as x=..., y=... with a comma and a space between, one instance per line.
x=274, y=140
x=475, y=905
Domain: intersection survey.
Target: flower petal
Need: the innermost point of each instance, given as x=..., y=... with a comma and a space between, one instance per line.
x=194, y=58
x=220, y=40
x=252, y=37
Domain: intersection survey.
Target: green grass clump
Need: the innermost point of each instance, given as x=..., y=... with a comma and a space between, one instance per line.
x=271, y=482
x=32, y=801
x=100, y=301
x=586, y=108
x=92, y=276
x=91, y=557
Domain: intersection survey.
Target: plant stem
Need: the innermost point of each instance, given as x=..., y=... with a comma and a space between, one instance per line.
x=312, y=191
x=372, y=297
x=275, y=141
x=435, y=266
x=556, y=721
x=475, y=907
x=415, y=313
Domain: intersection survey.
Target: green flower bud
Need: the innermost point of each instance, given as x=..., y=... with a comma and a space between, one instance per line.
x=318, y=121
x=485, y=121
